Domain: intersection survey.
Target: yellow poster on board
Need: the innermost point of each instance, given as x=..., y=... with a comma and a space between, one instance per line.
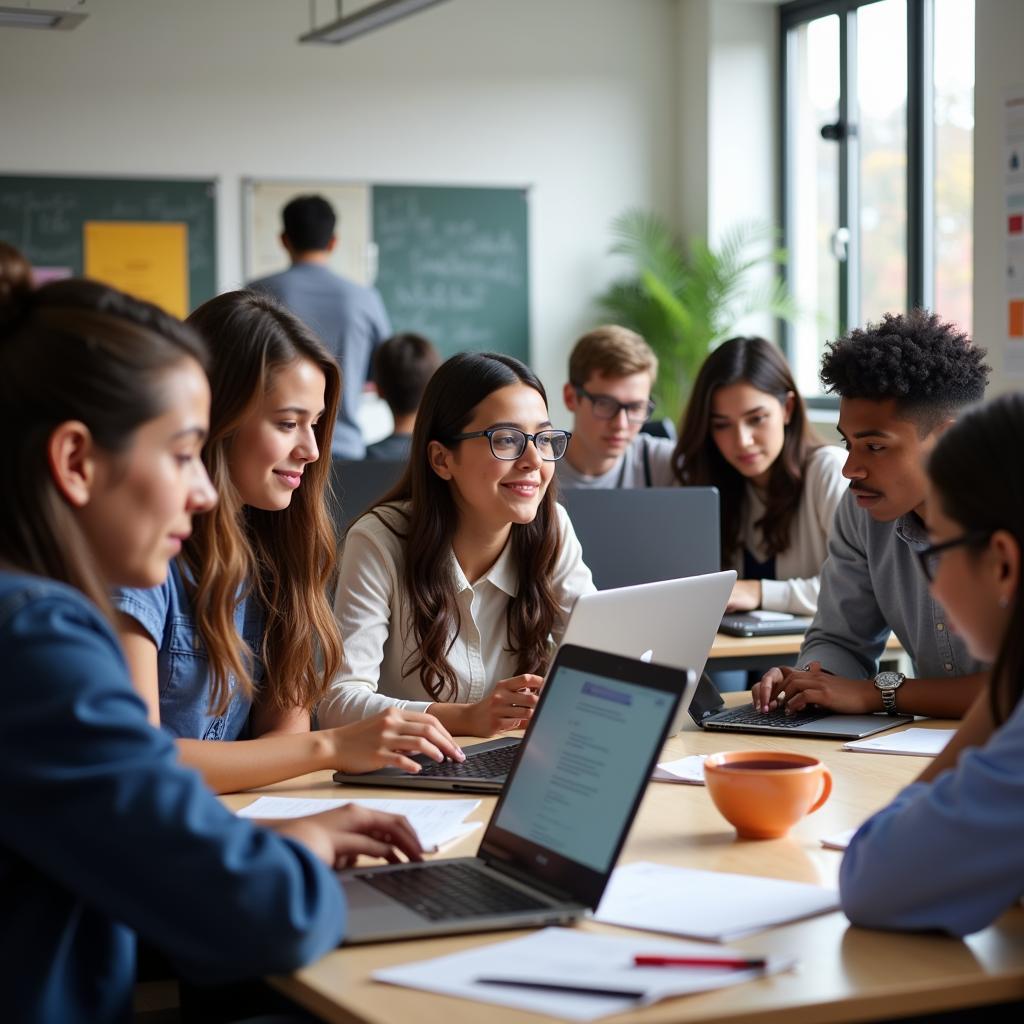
x=147, y=259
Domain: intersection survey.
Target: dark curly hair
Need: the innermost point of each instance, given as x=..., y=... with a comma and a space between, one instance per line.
x=929, y=367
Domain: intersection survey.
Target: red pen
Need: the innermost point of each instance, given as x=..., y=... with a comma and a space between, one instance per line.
x=741, y=963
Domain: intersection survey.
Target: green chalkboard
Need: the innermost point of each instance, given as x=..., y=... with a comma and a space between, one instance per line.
x=452, y=265
x=44, y=216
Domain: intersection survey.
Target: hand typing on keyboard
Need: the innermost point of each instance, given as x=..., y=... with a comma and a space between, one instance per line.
x=800, y=688
x=386, y=740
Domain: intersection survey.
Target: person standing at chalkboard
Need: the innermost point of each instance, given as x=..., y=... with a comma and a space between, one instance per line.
x=349, y=318
x=611, y=372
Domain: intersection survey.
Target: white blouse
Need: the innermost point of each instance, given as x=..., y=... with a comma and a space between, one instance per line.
x=797, y=569
x=374, y=615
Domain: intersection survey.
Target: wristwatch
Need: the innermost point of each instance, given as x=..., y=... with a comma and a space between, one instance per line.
x=887, y=684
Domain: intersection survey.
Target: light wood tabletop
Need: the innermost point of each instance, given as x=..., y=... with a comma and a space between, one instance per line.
x=751, y=652
x=844, y=973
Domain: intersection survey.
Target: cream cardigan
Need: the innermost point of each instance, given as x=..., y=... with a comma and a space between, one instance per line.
x=797, y=569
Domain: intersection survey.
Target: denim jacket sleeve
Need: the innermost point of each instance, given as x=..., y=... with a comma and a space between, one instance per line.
x=949, y=854
x=96, y=801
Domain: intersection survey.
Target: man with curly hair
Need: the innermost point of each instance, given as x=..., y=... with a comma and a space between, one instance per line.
x=901, y=383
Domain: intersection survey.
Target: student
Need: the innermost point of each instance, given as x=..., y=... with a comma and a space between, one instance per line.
x=611, y=372
x=968, y=804
x=104, y=836
x=745, y=432
x=239, y=642
x=348, y=317
x=901, y=383
x=401, y=368
x=451, y=589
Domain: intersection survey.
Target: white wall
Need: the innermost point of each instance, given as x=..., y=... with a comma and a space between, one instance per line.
x=999, y=43
x=572, y=97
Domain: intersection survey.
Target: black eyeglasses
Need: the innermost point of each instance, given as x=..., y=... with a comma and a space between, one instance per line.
x=929, y=557
x=509, y=443
x=607, y=408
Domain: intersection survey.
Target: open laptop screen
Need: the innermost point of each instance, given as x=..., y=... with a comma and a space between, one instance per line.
x=585, y=761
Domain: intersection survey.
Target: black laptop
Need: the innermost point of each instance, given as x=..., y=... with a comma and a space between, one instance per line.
x=560, y=823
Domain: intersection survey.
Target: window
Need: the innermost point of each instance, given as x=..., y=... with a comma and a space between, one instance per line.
x=878, y=164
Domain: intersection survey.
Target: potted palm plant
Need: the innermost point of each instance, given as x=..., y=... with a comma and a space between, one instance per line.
x=684, y=299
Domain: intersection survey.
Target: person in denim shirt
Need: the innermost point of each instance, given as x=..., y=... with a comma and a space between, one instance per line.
x=104, y=835
x=240, y=642
x=968, y=804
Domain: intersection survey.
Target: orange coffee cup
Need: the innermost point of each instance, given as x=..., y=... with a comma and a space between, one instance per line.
x=763, y=793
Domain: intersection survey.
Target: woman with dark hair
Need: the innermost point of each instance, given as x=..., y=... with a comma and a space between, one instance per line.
x=745, y=431
x=104, y=406
x=968, y=804
x=452, y=588
x=239, y=643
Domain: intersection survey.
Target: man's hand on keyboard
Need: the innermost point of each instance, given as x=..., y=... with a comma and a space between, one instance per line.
x=796, y=689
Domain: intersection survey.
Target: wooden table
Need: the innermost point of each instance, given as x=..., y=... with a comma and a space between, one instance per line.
x=844, y=974
x=755, y=652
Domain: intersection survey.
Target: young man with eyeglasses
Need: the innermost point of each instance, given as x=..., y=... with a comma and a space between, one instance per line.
x=901, y=383
x=611, y=371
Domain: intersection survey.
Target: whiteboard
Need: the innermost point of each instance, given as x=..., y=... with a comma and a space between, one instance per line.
x=354, y=256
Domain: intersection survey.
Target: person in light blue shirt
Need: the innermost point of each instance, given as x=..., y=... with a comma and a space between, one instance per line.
x=349, y=318
x=104, y=835
x=963, y=819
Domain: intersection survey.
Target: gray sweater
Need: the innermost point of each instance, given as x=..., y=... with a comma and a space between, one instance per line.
x=871, y=584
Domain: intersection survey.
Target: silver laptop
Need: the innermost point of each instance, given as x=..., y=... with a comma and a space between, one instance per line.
x=764, y=623
x=562, y=819
x=706, y=712
x=673, y=623
x=615, y=529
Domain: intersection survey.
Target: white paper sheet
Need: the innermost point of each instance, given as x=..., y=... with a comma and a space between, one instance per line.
x=840, y=841
x=915, y=742
x=706, y=905
x=571, y=957
x=437, y=822
x=688, y=770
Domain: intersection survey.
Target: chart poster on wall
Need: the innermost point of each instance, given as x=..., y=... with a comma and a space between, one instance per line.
x=155, y=237
x=1013, y=226
x=453, y=265
x=263, y=202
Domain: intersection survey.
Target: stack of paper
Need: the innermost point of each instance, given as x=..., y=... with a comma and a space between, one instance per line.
x=840, y=841
x=706, y=905
x=436, y=822
x=688, y=770
x=571, y=974
x=917, y=742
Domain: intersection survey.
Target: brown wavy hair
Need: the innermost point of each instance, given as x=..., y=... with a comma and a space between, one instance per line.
x=285, y=559
x=458, y=386
x=73, y=350
x=698, y=462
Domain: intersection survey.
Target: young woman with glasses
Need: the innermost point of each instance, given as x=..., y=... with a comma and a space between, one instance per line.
x=968, y=804
x=453, y=587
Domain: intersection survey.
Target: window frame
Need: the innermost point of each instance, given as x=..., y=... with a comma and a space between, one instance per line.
x=920, y=190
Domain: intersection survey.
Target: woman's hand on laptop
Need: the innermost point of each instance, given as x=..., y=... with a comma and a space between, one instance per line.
x=339, y=836
x=387, y=739
x=796, y=689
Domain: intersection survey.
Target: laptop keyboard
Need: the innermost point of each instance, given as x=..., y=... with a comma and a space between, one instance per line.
x=749, y=715
x=441, y=892
x=491, y=764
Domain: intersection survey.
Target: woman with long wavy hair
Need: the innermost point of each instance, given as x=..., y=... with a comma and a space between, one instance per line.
x=239, y=643
x=745, y=431
x=453, y=587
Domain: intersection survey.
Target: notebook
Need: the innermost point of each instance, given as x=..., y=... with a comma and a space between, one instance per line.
x=562, y=819
x=705, y=712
